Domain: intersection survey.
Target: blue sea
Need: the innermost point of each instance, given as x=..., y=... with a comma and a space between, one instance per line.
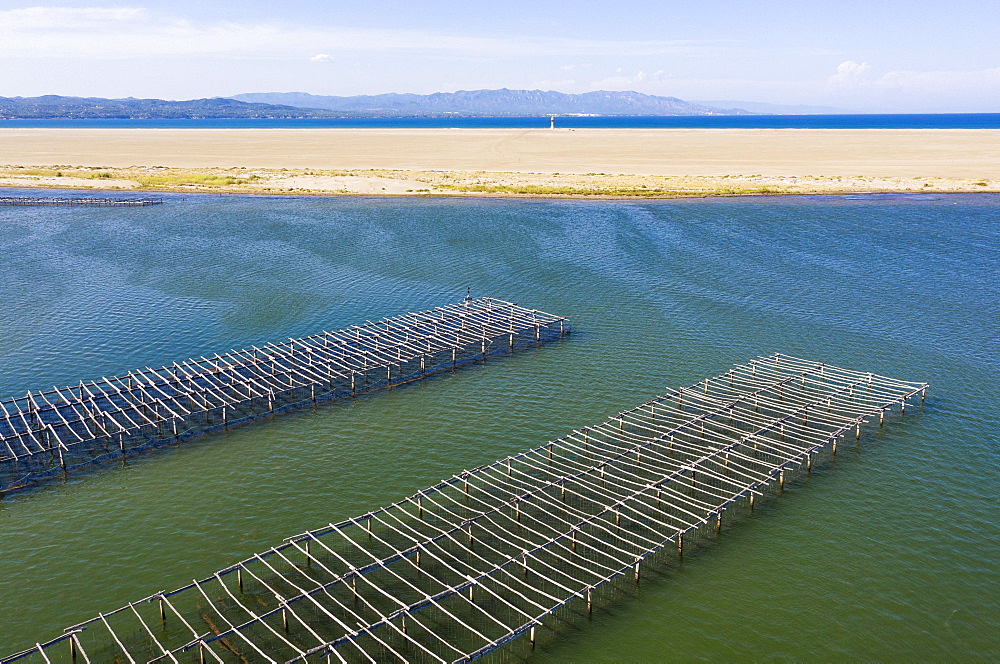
x=857, y=121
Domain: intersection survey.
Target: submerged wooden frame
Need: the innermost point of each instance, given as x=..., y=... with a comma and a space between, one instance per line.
x=461, y=568
x=46, y=434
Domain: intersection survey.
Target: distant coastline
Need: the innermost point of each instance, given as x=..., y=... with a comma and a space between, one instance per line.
x=812, y=121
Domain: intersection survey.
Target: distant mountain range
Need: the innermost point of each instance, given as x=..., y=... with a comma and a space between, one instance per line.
x=52, y=107
x=284, y=105
x=491, y=103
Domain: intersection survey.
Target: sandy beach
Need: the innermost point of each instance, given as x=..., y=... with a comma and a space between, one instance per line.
x=544, y=162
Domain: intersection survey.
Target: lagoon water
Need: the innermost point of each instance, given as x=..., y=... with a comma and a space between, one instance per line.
x=891, y=552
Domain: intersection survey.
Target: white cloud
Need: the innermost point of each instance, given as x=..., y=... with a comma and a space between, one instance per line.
x=322, y=57
x=986, y=79
x=849, y=73
x=935, y=91
x=66, y=18
x=640, y=81
x=134, y=32
x=566, y=85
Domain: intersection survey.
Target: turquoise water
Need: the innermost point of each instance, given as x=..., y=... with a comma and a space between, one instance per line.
x=891, y=552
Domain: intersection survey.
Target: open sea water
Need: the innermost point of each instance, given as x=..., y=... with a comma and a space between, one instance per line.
x=837, y=121
x=890, y=552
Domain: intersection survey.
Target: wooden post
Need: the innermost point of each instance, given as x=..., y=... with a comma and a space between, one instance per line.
x=680, y=545
x=532, y=637
x=163, y=612
x=590, y=602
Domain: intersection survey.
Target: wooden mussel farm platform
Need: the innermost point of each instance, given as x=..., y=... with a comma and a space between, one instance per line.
x=48, y=201
x=47, y=433
x=488, y=555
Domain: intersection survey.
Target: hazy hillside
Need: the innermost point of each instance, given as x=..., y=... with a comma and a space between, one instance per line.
x=57, y=107
x=776, y=109
x=491, y=103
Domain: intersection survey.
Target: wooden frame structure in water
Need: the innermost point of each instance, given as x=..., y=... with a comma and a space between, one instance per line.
x=464, y=567
x=48, y=201
x=46, y=434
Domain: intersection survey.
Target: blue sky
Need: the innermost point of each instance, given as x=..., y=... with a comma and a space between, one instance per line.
x=872, y=56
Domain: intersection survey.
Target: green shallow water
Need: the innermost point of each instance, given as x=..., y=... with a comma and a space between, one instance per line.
x=892, y=552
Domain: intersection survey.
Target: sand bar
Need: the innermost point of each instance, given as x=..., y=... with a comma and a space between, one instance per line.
x=792, y=160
